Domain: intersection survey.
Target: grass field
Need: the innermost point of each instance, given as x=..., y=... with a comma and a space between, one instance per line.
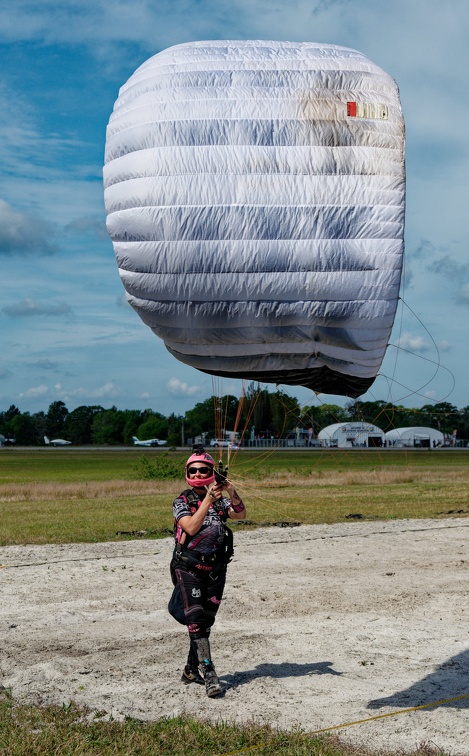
x=70, y=495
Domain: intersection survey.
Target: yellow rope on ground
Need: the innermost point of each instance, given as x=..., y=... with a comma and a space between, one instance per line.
x=361, y=721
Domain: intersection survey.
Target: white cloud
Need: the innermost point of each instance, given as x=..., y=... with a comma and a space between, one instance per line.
x=22, y=233
x=412, y=343
x=107, y=391
x=85, y=395
x=179, y=388
x=34, y=392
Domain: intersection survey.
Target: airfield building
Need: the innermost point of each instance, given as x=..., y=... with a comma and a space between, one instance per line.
x=414, y=437
x=353, y=434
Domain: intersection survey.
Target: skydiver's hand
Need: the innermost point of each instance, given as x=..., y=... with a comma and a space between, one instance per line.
x=216, y=491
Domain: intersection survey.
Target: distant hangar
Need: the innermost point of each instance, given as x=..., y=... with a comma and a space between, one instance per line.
x=414, y=437
x=366, y=435
x=353, y=434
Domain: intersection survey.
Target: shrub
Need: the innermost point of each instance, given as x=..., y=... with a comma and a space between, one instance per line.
x=161, y=468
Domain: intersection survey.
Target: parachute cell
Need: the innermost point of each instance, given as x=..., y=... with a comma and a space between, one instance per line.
x=255, y=197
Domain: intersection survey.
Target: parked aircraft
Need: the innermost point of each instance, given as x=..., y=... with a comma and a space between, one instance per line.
x=148, y=442
x=56, y=442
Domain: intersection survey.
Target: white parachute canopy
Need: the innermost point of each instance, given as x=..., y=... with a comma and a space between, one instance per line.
x=255, y=197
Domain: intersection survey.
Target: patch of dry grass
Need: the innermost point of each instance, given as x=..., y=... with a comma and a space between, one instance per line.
x=378, y=476
x=293, y=487
x=17, y=492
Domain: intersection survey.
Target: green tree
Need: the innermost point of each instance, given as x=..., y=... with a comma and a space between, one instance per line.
x=55, y=419
x=383, y=414
x=442, y=415
x=200, y=419
x=176, y=430
x=40, y=423
x=212, y=416
x=24, y=429
x=285, y=413
x=155, y=426
x=322, y=416
x=79, y=422
x=464, y=423
x=6, y=428
x=261, y=412
x=393, y=416
x=133, y=418
x=108, y=427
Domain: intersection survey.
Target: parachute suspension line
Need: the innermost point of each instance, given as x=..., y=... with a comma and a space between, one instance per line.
x=317, y=458
x=401, y=302
x=384, y=411
x=217, y=413
x=277, y=506
x=241, y=409
x=244, y=485
x=414, y=392
x=239, y=412
x=275, y=446
x=221, y=417
x=401, y=320
x=243, y=418
x=437, y=362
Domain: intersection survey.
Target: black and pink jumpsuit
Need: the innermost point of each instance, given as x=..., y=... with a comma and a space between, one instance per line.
x=200, y=571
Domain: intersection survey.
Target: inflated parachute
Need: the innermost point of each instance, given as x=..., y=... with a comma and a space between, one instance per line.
x=255, y=198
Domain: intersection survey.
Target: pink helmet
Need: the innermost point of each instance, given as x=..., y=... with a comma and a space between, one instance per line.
x=206, y=459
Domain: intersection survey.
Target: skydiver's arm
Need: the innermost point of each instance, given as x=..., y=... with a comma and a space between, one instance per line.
x=192, y=523
x=237, y=510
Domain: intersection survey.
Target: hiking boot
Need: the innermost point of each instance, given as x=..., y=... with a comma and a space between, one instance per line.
x=212, y=683
x=192, y=676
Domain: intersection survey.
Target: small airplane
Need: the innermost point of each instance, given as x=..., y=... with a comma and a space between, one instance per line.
x=56, y=442
x=148, y=442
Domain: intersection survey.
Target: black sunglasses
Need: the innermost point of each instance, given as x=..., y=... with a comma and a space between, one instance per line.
x=202, y=470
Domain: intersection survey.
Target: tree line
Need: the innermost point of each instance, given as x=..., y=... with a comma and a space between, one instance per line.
x=259, y=412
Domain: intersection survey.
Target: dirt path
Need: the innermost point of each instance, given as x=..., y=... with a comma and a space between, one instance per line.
x=320, y=626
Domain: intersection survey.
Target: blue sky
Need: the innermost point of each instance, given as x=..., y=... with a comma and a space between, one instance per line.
x=66, y=332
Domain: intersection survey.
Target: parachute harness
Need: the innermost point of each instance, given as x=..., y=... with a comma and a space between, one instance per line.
x=194, y=559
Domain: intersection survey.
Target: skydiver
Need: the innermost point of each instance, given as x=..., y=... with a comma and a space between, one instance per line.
x=203, y=548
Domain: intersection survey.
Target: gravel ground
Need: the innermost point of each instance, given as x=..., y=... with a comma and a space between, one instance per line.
x=321, y=626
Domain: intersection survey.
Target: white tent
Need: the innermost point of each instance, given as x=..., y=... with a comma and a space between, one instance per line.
x=414, y=437
x=354, y=434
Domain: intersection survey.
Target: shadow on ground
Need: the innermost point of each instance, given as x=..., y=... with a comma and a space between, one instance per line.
x=449, y=680
x=279, y=671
